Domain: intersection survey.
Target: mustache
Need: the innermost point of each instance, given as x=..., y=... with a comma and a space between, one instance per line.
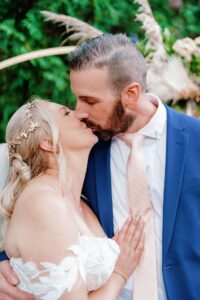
x=91, y=124
x=102, y=134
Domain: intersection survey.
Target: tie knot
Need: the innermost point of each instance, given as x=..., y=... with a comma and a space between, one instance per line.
x=132, y=140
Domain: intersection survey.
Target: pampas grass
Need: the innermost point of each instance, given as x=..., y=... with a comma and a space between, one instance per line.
x=78, y=30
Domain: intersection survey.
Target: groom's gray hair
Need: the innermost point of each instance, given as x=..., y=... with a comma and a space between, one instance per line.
x=124, y=61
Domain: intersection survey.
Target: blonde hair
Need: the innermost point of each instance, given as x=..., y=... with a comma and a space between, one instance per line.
x=28, y=160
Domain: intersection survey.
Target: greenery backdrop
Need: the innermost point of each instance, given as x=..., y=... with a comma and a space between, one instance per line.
x=22, y=29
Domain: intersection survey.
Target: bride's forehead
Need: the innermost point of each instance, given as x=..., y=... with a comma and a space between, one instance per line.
x=51, y=106
x=55, y=109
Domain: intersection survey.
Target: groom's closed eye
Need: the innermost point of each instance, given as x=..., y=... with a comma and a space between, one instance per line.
x=89, y=100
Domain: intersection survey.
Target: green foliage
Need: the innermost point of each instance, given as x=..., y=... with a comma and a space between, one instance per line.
x=195, y=66
x=22, y=29
x=181, y=23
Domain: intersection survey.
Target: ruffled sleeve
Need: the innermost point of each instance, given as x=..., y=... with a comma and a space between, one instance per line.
x=49, y=281
x=92, y=262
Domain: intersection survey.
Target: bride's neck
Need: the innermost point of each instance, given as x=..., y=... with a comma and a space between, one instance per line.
x=77, y=168
x=76, y=164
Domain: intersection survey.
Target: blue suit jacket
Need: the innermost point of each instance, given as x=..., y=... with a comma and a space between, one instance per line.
x=181, y=209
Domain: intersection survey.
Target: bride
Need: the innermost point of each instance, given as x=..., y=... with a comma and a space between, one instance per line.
x=55, y=243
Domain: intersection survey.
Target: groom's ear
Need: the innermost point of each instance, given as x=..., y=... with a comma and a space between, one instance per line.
x=46, y=144
x=130, y=95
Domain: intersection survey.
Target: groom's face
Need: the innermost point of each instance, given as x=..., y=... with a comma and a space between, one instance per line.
x=97, y=103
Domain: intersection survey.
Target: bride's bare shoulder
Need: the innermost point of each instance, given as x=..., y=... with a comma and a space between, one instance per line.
x=42, y=214
x=41, y=201
x=40, y=190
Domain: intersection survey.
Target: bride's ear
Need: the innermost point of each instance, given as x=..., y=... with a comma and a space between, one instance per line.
x=46, y=144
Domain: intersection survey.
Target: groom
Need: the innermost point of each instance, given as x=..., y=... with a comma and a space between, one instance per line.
x=108, y=78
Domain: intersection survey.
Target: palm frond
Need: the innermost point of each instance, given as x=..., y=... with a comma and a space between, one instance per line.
x=80, y=30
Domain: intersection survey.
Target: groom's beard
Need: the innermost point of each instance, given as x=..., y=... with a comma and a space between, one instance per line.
x=118, y=122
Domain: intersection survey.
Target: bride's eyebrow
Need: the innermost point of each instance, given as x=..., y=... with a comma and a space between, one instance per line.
x=63, y=108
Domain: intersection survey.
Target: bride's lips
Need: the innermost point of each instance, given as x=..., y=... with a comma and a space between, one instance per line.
x=84, y=126
x=89, y=127
x=92, y=128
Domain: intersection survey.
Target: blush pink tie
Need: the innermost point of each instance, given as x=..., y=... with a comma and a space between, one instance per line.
x=145, y=280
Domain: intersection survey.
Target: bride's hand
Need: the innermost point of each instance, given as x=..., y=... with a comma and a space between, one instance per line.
x=131, y=242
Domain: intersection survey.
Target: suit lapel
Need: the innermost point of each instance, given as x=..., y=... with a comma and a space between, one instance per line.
x=103, y=186
x=177, y=145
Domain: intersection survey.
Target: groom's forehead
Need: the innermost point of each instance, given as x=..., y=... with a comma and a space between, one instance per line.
x=90, y=82
x=93, y=74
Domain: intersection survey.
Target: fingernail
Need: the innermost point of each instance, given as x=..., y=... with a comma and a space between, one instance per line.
x=130, y=218
x=14, y=280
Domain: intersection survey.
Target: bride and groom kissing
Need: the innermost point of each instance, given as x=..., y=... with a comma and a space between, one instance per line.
x=134, y=162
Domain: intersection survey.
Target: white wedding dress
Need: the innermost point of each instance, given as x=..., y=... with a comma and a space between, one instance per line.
x=93, y=261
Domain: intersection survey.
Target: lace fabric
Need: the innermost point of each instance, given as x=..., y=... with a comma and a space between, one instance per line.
x=92, y=263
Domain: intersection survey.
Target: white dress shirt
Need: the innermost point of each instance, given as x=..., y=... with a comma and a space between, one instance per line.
x=154, y=151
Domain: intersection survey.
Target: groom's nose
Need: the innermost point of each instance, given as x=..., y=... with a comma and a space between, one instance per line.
x=81, y=115
x=81, y=111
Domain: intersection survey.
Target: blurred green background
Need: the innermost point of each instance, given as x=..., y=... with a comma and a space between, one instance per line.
x=22, y=29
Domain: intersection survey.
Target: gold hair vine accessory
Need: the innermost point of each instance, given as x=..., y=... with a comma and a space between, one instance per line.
x=25, y=134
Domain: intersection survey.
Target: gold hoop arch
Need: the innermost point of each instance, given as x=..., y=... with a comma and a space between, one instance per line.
x=34, y=55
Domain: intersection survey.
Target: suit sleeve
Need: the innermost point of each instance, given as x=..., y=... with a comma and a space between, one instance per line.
x=3, y=256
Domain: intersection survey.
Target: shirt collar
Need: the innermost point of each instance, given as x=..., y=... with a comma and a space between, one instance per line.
x=155, y=127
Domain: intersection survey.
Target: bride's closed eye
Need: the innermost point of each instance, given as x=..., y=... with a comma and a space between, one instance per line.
x=67, y=113
x=64, y=111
